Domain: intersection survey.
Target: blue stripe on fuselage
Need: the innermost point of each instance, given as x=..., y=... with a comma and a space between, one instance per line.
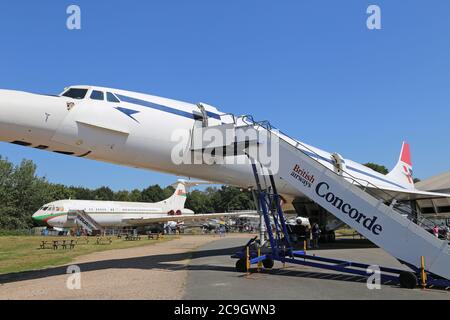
x=160, y=107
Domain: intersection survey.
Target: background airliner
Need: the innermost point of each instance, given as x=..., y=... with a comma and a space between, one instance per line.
x=121, y=214
x=136, y=130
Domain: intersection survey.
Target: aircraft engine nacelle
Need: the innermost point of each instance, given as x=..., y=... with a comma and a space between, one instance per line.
x=175, y=213
x=303, y=221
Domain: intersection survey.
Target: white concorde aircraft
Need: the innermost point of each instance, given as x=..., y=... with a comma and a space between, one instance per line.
x=137, y=130
x=124, y=214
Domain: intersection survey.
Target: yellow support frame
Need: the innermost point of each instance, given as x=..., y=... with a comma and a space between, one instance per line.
x=248, y=259
x=259, y=262
x=423, y=274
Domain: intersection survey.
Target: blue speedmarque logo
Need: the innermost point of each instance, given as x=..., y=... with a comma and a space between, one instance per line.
x=128, y=112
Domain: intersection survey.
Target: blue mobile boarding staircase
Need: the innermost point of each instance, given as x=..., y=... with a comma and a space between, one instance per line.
x=280, y=249
x=401, y=234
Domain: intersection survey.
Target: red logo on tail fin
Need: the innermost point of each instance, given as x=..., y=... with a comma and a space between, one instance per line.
x=409, y=174
x=406, y=154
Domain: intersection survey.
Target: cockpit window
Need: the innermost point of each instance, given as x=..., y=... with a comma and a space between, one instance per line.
x=44, y=208
x=76, y=93
x=97, y=95
x=111, y=97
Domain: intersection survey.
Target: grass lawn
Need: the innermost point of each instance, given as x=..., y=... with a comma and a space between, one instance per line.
x=23, y=253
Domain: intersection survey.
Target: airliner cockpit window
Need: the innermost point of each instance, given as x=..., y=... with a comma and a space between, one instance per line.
x=97, y=95
x=111, y=97
x=74, y=93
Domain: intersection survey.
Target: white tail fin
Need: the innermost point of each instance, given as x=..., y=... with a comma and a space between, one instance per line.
x=403, y=171
x=178, y=199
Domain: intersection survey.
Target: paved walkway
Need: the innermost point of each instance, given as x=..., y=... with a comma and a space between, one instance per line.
x=212, y=276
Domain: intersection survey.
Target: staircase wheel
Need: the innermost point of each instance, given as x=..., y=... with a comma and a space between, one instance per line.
x=268, y=263
x=241, y=265
x=408, y=280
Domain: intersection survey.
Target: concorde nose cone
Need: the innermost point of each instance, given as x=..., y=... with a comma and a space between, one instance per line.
x=12, y=115
x=15, y=107
x=25, y=115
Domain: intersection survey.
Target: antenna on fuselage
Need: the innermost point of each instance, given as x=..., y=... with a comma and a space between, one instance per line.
x=204, y=114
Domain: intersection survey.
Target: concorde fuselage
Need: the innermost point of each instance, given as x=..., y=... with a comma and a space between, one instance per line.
x=131, y=129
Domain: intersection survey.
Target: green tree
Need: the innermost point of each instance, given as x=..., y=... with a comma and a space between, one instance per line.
x=378, y=168
x=104, y=194
x=152, y=194
x=199, y=202
x=228, y=199
x=18, y=200
x=81, y=193
x=122, y=196
x=135, y=196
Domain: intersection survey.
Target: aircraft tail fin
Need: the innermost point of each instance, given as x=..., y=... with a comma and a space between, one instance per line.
x=178, y=199
x=403, y=171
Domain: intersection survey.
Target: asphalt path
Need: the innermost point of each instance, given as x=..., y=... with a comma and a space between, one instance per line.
x=211, y=275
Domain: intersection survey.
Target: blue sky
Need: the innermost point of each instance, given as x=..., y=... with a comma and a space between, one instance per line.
x=311, y=67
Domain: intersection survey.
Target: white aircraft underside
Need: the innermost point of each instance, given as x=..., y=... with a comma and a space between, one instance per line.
x=137, y=130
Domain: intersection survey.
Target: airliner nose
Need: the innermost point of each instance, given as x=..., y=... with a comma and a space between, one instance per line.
x=35, y=217
x=39, y=218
